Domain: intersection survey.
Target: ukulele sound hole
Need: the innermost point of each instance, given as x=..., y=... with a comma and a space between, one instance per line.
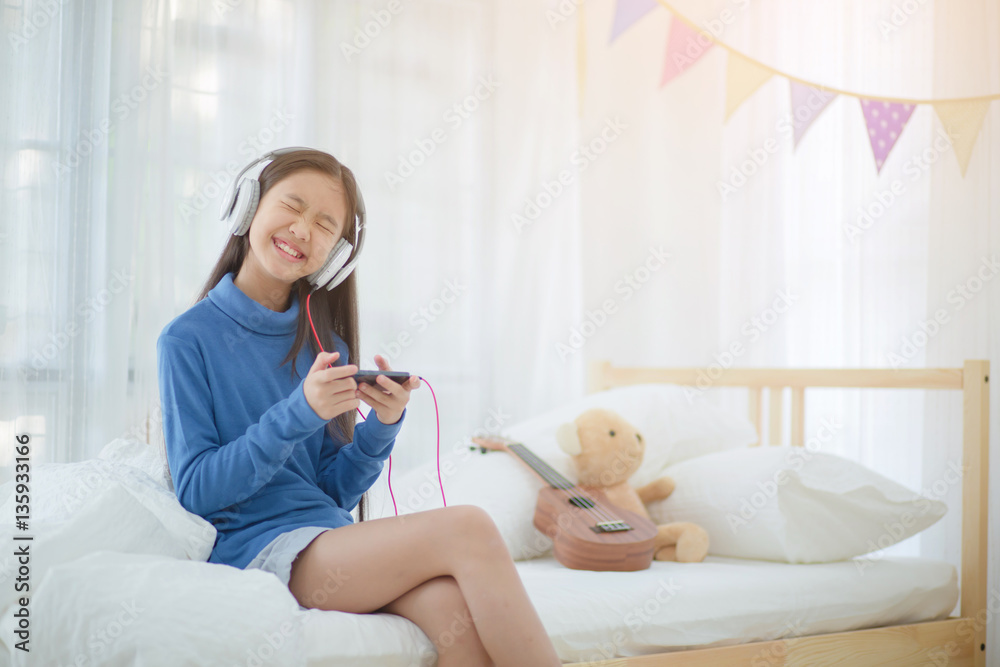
x=582, y=503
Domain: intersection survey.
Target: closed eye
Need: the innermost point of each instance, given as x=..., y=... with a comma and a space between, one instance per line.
x=325, y=229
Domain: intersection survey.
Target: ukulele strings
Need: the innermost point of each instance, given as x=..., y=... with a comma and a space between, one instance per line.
x=607, y=515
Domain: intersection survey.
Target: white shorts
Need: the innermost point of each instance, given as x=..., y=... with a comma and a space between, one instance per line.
x=278, y=555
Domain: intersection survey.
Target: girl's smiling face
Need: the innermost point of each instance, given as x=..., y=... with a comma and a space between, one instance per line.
x=305, y=211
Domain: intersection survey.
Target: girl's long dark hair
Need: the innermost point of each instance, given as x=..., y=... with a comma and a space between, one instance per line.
x=333, y=310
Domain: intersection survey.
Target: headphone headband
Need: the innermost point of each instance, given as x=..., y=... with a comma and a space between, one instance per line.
x=240, y=204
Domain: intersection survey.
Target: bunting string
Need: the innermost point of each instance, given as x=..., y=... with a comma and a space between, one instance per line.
x=885, y=117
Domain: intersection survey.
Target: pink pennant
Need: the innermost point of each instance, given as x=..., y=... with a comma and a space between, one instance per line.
x=807, y=104
x=685, y=47
x=885, y=121
x=628, y=12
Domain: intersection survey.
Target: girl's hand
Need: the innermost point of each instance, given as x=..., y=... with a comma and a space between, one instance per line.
x=330, y=391
x=389, y=399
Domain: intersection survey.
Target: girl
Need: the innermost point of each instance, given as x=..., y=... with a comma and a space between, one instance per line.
x=248, y=451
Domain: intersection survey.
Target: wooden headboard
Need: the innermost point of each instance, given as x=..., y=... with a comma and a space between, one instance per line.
x=972, y=379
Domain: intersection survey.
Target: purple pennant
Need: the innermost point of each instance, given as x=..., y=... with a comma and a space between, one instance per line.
x=807, y=104
x=885, y=121
x=628, y=12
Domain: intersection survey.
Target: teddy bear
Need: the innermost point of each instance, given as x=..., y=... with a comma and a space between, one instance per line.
x=606, y=450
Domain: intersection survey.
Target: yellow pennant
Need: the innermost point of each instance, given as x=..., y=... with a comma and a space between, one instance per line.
x=743, y=77
x=962, y=121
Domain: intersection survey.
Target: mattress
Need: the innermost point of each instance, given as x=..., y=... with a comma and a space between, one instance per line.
x=114, y=608
x=676, y=606
x=119, y=577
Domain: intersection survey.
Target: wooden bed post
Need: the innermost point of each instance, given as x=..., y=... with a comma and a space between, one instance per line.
x=975, y=501
x=597, y=376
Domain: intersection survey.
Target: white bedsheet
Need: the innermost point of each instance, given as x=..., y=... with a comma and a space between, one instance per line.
x=118, y=577
x=170, y=611
x=725, y=601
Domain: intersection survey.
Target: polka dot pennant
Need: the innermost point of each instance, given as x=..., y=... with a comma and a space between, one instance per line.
x=885, y=121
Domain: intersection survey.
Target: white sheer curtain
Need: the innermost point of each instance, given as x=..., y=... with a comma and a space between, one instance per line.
x=853, y=304
x=157, y=104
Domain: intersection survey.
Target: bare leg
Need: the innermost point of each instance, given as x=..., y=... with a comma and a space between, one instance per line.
x=365, y=566
x=438, y=607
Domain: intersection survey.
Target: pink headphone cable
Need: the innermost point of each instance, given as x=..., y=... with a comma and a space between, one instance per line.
x=436, y=417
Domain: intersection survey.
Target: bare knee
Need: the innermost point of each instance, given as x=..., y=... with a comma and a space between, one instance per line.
x=476, y=534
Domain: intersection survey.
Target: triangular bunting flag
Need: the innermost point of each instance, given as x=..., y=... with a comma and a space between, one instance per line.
x=962, y=121
x=628, y=12
x=684, y=48
x=885, y=121
x=743, y=77
x=807, y=104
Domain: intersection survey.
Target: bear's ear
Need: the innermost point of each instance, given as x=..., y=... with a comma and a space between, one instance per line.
x=568, y=439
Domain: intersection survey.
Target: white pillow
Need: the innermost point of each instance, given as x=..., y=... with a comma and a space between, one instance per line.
x=139, y=454
x=673, y=427
x=495, y=481
x=99, y=505
x=791, y=504
x=117, y=609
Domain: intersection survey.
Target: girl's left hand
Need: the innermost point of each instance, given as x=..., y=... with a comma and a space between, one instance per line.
x=388, y=399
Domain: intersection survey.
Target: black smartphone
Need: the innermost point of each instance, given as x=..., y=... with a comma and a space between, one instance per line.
x=368, y=377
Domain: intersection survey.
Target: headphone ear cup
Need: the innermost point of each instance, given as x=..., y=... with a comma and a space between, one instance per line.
x=247, y=199
x=336, y=259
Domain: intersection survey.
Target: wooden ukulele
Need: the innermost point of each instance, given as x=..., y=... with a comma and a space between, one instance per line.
x=588, y=532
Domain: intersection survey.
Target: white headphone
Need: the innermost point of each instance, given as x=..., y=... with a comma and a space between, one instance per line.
x=240, y=204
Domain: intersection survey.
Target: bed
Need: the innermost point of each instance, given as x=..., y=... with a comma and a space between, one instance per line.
x=922, y=637
x=120, y=576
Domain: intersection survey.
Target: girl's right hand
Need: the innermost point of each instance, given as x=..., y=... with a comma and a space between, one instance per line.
x=330, y=391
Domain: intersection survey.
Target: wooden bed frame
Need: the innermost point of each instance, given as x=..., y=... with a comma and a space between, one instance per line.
x=958, y=641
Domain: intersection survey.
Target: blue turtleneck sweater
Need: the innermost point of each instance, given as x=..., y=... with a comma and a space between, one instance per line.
x=246, y=450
